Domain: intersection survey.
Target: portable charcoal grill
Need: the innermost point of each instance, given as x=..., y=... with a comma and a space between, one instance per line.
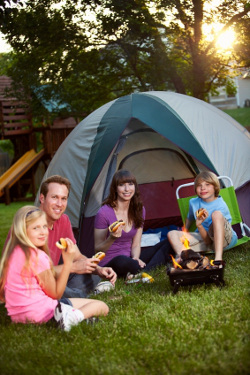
x=185, y=277
x=201, y=275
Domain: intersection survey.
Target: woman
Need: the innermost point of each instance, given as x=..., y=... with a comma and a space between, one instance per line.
x=123, y=247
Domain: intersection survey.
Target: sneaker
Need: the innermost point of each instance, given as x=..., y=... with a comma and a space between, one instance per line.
x=67, y=316
x=139, y=277
x=131, y=278
x=103, y=286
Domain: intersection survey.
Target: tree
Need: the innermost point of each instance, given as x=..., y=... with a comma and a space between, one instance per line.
x=188, y=61
x=5, y=6
x=242, y=46
x=130, y=45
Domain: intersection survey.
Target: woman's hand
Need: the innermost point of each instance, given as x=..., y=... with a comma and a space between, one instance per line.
x=116, y=234
x=141, y=263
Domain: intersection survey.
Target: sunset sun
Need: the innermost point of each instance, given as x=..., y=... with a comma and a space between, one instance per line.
x=223, y=41
x=226, y=40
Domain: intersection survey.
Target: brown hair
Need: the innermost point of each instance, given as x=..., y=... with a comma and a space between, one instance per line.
x=135, y=206
x=56, y=179
x=209, y=177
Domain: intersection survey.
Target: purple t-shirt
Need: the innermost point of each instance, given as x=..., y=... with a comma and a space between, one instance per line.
x=122, y=246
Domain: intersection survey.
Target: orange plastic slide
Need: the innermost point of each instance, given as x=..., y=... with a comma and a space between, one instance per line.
x=17, y=170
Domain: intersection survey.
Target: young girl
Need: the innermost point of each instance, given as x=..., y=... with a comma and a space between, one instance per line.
x=28, y=285
x=214, y=230
x=123, y=248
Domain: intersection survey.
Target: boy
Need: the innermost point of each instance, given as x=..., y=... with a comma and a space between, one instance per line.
x=214, y=230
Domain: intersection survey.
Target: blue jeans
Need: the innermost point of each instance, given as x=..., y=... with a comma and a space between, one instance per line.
x=153, y=256
x=80, y=285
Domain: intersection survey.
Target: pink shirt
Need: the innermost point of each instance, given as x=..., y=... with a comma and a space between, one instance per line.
x=61, y=229
x=25, y=299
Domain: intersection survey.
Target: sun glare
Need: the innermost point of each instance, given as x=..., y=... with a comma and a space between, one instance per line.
x=226, y=40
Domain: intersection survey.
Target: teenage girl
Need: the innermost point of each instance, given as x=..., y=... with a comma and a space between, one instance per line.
x=28, y=284
x=123, y=248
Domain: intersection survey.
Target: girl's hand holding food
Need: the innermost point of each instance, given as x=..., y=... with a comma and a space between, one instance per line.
x=68, y=249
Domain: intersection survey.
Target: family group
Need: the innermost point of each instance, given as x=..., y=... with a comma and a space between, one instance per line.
x=40, y=282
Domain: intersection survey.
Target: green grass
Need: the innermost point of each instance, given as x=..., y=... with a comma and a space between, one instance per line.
x=242, y=115
x=148, y=330
x=6, y=216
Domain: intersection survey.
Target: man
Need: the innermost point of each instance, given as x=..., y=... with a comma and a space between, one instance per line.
x=85, y=274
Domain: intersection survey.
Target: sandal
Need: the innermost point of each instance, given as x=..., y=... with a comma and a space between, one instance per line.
x=217, y=263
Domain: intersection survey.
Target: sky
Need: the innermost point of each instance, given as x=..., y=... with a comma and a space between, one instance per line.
x=4, y=47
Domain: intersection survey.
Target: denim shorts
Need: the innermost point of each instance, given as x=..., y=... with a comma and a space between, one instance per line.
x=66, y=301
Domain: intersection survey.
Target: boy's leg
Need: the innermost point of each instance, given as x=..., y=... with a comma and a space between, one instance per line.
x=196, y=242
x=220, y=232
x=174, y=237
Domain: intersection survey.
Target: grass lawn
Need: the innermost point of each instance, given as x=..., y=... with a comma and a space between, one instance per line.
x=242, y=115
x=148, y=330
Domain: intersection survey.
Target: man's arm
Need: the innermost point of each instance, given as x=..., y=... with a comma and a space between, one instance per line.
x=81, y=264
x=107, y=273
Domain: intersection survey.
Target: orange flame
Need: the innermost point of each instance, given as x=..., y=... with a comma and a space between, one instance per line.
x=185, y=242
x=184, y=238
x=184, y=229
x=175, y=264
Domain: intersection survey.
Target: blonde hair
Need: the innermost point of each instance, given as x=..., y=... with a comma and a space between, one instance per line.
x=209, y=177
x=18, y=236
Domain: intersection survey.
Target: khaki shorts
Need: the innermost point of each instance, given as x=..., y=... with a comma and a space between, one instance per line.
x=197, y=244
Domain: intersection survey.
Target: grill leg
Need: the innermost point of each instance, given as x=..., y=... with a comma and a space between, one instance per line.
x=177, y=284
x=217, y=281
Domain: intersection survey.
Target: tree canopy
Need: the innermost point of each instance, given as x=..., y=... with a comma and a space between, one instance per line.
x=86, y=53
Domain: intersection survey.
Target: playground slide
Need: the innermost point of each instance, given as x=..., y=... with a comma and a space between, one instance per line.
x=17, y=170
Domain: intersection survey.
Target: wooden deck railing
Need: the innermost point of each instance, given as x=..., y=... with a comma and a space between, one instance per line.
x=15, y=118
